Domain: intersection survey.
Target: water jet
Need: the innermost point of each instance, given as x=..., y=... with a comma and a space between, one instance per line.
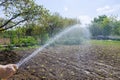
x=75, y=34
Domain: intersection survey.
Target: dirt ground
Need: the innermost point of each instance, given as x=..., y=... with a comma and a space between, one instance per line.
x=74, y=62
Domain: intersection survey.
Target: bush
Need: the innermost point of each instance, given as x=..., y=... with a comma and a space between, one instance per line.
x=0, y=46
x=69, y=41
x=44, y=39
x=27, y=41
x=72, y=42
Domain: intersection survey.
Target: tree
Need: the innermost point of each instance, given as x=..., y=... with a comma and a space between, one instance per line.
x=99, y=19
x=102, y=25
x=20, y=11
x=116, y=29
x=55, y=23
x=95, y=29
x=106, y=26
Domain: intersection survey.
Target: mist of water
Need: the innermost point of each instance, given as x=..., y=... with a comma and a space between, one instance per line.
x=72, y=35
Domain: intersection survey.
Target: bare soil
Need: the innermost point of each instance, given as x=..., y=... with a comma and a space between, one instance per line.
x=72, y=62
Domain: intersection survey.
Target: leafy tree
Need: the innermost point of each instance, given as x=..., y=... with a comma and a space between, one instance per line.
x=95, y=29
x=55, y=23
x=116, y=29
x=20, y=11
x=26, y=18
x=106, y=26
x=99, y=19
x=102, y=25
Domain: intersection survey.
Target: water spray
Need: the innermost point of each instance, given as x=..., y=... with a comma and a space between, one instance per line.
x=52, y=40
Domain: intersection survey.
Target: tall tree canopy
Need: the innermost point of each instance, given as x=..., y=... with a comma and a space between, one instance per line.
x=20, y=11
x=102, y=25
x=24, y=18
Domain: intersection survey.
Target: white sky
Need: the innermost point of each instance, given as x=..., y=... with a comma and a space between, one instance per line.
x=85, y=10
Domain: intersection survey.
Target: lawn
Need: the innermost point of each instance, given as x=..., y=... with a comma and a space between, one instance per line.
x=105, y=42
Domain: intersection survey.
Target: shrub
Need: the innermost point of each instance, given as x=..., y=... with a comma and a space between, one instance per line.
x=69, y=41
x=27, y=41
x=44, y=38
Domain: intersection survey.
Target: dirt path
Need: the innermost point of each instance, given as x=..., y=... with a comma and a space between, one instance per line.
x=72, y=63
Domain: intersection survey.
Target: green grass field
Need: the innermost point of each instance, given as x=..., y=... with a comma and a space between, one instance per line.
x=105, y=42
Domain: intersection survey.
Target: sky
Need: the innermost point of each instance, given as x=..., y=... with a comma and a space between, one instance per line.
x=85, y=10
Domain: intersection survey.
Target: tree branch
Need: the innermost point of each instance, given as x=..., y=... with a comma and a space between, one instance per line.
x=10, y=20
x=3, y=2
x=15, y=16
x=14, y=25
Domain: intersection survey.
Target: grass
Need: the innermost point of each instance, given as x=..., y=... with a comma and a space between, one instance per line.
x=21, y=48
x=26, y=48
x=93, y=42
x=105, y=42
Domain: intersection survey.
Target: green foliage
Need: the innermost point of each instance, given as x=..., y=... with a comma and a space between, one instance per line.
x=56, y=23
x=99, y=19
x=0, y=46
x=27, y=41
x=36, y=21
x=71, y=41
x=116, y=29
x=95, y=29
x=21, y=11
x=105, y=26
x=44, y=38
x=105, y=42
x=9, y=47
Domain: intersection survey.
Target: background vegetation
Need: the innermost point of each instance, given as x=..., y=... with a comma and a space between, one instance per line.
x=104, y=27
x=25, y=24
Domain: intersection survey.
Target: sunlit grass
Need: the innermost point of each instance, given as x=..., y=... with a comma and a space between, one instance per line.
x=21, y=48
x=26, y=48
x=105, y=42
